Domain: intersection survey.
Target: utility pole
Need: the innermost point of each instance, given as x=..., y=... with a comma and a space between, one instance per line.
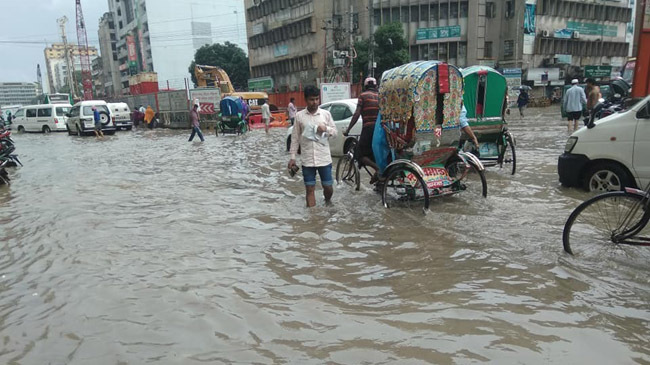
x=371, y=40
x=350, y=69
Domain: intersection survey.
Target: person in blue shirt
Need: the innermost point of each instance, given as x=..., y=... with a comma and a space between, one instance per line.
x=464, y=126
x=98, y=124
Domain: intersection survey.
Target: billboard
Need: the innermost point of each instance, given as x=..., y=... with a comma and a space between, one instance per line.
x=334, y=91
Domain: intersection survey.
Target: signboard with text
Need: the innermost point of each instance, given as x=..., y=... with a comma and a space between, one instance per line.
x=334, y=91
x=426, y=35
x=598, y=71
x=260, y=84
x=208, y=99
x=593, y=29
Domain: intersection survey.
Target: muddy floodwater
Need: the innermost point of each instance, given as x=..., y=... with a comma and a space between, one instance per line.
x=144, y=248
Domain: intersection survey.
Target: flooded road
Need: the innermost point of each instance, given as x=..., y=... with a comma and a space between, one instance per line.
x=145, y=248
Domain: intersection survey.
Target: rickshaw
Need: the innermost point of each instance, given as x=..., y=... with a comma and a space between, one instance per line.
x=484, y=97
x=419, y=110
x=231, y=119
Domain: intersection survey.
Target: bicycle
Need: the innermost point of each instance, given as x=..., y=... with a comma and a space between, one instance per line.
x=347, y=168
x=617, y=217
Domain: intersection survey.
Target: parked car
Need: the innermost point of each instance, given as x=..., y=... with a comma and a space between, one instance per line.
x=81, y=121
x=43, y=118
x=121, y=115
x=342, y=112
x=611, y=155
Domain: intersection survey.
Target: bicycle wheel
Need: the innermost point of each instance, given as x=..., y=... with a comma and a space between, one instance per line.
x=405, y=187
x=474, y=182
x=594, y=226
x=509, y=156
x=347, y=172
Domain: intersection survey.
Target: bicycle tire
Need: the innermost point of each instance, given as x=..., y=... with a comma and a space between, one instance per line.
x=347, y=172
x=583, y=236
x=400, y=172
x=511, y=145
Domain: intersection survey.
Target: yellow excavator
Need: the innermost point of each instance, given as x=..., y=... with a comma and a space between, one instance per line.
x=213, y=76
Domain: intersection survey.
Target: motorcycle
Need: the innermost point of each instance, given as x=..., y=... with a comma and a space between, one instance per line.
x=7, y=147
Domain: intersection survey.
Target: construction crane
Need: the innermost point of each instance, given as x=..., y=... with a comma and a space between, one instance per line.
x=82, y=40
x=66, y=52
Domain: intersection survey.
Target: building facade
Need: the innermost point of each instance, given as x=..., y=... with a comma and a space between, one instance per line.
x=162, y=36
x=14, y=93
x=55, y=54
x=294, y=42
x=108, y=49
x=291, y=41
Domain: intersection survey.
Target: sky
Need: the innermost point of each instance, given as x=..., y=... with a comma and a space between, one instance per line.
x=28, y=25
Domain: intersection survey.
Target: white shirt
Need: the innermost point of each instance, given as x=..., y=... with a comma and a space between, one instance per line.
x=574, y=99
x=312, y=153
x=266, y=111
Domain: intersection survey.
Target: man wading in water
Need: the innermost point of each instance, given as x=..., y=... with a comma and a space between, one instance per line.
x=311, y=131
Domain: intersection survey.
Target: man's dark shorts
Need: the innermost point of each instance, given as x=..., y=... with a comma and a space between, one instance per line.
x=364, y=147
x=98, y=126
x=575, y=115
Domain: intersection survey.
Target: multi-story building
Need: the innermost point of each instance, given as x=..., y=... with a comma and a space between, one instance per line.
x=108, y=49
x=14, y=93
x=291, y=42
x=97, y=73
x=56, y=53
x=162, y=35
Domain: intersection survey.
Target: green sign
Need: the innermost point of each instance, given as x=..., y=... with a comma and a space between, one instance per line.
x=262, y=83
x=598, y=71
x=593, y=29
x=423, y=34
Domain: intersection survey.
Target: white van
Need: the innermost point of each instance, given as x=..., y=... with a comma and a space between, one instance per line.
x=44, y=118
x=82, y=122
x=615, y=153
x=121, y=115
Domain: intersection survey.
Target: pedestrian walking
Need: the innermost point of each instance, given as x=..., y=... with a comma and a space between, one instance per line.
x=291, y=109
x=194, y=118
x=98, y=124
x=266, y=115
x=592, y=91
x=522, y=101
x=312, y=129
x=149, y=114
x=574, y=102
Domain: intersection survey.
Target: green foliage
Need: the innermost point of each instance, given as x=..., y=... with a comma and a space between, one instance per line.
x=390, y=50
x=229, y=57
x=391, y=47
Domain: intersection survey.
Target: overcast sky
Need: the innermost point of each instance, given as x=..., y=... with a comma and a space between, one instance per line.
x=32, y=24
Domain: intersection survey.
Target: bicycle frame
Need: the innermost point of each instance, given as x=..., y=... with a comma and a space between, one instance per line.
x=644, y=204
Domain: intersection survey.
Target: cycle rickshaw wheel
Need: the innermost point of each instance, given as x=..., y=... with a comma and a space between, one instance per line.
x=405, y=187
x=593, y=227
x=347, y=172
x=509, y=155
x=475, y=181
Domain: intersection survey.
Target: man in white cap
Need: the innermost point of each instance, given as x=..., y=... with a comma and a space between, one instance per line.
x=574, y=101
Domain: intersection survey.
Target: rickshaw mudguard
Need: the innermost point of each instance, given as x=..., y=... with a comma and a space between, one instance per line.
x=472, y=160
x=408, y=163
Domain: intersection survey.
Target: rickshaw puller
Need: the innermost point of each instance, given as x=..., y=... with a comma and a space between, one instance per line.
x=367, y=109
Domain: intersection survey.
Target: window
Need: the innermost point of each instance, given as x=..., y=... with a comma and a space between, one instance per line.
x=508, y=48
x=60, y=111
x=433, y=12
x=326, y=107
x=119, y=12
x=510, y=9
x=395, y=12
x=415, y=14
x=31, y=113
x=120, y=24
x=348, y=113
x=424, y=13
x=444, y=10
x=487, y=50
x=453, y=49
x=19, y=113
x=464, y=9
x=45, y=112
x=453, y=10
x=88, y=110
x=490, y=10
x=338, y=112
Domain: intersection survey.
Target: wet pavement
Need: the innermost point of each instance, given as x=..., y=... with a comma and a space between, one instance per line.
x=144, y=248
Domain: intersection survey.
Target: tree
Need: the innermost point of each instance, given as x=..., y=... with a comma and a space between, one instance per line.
x=229, y=57
x=390, y=50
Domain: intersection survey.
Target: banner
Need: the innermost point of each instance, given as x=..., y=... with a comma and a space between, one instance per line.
x=529, y=28
x=426, y=35
x=334, y=91
x=593, y=29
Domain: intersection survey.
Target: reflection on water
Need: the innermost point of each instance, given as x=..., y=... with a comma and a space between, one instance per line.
x=146, y=248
